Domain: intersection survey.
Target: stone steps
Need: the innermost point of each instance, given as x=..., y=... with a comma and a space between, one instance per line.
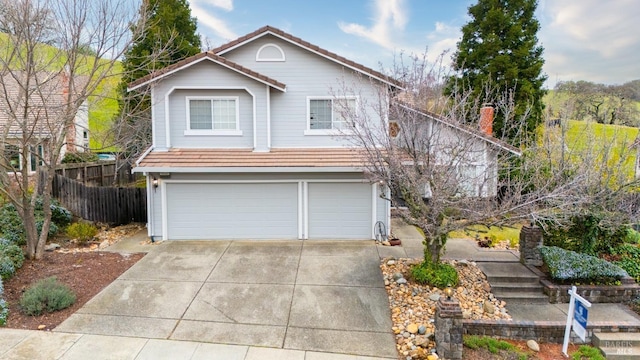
x=514, y=283
x=619, y=345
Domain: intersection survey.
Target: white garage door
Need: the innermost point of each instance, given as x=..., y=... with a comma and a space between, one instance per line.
x=232, y=211
x=340, y=211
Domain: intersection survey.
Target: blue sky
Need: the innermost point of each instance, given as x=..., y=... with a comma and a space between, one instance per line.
x=595, y=40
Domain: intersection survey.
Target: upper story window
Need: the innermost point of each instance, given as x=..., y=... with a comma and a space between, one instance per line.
x=213, y=115
x=13, y=156
x=328, y=116
x=270, y=52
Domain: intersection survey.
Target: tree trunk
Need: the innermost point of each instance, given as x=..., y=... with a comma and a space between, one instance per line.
x=31, y=233
x=433, y=247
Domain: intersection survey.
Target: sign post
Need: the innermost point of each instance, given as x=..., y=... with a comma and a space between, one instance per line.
x=576, y=317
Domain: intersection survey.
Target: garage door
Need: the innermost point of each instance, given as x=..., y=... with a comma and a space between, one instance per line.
x=232, y=211
x=340, y=211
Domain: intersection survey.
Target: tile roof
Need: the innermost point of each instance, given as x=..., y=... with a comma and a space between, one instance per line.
x=305, y=44
x=236, y=158
x=213, y=57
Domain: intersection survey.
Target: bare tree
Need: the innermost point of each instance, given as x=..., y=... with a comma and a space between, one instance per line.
x=445, y=175
x=46, y=76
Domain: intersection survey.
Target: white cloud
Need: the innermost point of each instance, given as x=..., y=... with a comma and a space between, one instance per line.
x=206, y=18
x=591, y=40
x=443, y=39
x=390, y=18
x=222, y=4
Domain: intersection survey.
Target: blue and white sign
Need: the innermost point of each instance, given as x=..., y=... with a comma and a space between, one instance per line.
x=580, y=316
x=576, y=318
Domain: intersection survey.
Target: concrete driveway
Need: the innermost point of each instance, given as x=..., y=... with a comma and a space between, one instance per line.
x=319, y=296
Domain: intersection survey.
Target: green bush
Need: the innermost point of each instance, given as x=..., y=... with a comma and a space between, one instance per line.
x=47, y=295
x=4, y=312
x=12, y=228
x=7, y=269
x=570, y=267
x=494, y=346
x=629, y=259
x=439, y=275
x=79, y=157
x=13, y=252
x=82, y=231
x=588, y=234
x=586, y=352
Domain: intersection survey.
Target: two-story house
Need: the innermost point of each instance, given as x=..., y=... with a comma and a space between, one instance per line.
x=248, y=143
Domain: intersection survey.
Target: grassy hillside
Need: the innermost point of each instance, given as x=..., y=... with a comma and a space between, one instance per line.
x=103, y=104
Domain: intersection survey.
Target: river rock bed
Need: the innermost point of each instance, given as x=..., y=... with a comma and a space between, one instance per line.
x=413, y=306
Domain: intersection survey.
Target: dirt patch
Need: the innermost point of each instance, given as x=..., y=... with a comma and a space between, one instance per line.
x=86, y=273
x=547, y=352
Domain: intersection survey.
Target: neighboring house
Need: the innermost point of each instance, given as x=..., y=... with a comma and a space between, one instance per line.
x=39, y=109
x=248, y=144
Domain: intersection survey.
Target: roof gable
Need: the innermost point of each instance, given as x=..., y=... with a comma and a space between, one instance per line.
x=203, y=56
x=465, y=129
x=269, y=30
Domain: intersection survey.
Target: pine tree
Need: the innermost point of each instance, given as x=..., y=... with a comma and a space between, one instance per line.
x=499, y=50
x=169, y=36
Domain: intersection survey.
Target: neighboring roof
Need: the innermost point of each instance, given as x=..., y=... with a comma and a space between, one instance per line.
x=466, y=129
x=198, y=159
x=207, y=55
x=46, y=99
x=310, y=47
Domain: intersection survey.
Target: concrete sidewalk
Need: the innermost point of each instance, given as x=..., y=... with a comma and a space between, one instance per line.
x=36, y=345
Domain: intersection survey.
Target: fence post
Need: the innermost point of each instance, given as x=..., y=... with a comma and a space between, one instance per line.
x=530, y=242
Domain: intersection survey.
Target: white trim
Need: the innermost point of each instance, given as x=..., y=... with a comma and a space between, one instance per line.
x=305, y=211
x=153, y=119
x=258, y=58
x=300, y=210
x=174, y=88
x=268, y=118
x=163, y=196
x=150, y=214
x=332, y=131
x=227, y=169
x=387, y=193
x=374, y=209
x=259, y=181
x=313, y=51
x=212, y=131
x=212, y=60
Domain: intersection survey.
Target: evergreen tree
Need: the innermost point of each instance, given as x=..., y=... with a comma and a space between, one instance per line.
x=499, y=51
x=168, y=36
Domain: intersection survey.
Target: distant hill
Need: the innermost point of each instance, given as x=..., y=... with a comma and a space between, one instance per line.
x=103, y=104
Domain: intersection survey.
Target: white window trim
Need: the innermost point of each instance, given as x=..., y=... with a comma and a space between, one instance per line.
x=226, y=132
x=281, y=58
x=41, y=162
x=327, y=132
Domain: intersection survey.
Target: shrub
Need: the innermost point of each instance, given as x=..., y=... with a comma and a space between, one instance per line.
x=47, y=295
x=82, y=231
x=12, y=228
x=439, y=275
x=4, y=312
x=7, y=269
x=79, y=157
x=629, y=259
x=587, y=353
x=60, y=216
x=569, y=266
x=587, y=233
x=13, y=252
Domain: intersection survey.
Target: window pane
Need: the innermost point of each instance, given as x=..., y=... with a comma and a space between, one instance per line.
x=200, y=114
x=320, y=114
x=224, y=115
x=12, y=156
x=343, y=109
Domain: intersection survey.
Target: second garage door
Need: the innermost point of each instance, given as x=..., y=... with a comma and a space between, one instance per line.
x=232, y=211
x=340, y=211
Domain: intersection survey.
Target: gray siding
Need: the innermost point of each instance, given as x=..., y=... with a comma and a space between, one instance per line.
x=220, y=81
x=305, y=74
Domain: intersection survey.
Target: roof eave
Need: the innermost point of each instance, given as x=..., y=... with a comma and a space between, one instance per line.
x=250, y=169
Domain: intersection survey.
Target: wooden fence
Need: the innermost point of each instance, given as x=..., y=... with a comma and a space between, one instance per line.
x=102, y=173
x=113, y=205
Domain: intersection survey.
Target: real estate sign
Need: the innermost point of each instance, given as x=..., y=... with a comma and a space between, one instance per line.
x=580, y=320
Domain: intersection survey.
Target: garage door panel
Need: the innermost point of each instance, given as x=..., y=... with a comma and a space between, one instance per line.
x=340, y=211
x=232, y=211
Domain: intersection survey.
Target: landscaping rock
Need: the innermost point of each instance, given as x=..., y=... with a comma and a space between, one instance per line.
x=488, y=308
x=51, y=247
x=533, y=345
x=434, y=297
x=391, y=262
x=401, y=281
x=412, y=328
x=422, y=329
x=397, y=275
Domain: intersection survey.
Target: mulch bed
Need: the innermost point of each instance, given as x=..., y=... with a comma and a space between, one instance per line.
x=86, y=273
